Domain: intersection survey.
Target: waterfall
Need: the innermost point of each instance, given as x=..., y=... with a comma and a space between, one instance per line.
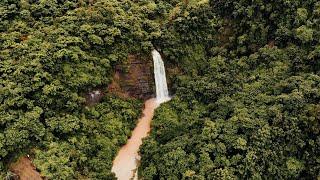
x=160, y=78
x=125, y=164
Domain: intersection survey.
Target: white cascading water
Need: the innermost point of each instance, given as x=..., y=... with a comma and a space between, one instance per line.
x=160, y=78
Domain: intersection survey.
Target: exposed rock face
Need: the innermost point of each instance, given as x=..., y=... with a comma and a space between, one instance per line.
x=94, y=96
x=135, y=79
x=25, y=170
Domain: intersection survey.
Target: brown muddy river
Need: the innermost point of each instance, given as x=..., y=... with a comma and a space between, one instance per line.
x=126, y=162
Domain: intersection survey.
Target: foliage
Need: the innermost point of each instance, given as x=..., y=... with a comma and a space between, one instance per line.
x=91, y=149
x=52, y=53
x=247, y=105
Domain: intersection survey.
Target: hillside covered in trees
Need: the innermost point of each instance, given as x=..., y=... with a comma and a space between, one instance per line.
x=248, y=103
x=244, y=75
x=51, y=54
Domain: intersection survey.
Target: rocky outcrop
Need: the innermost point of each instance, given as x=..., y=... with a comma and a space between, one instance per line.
x=94, y=96
x=24, y=169
x=134, y=79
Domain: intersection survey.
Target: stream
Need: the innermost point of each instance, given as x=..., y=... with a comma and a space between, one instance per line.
x=126, y=162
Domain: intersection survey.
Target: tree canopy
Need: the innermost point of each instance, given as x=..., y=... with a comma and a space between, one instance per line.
x=245, y=79
x=247, y=103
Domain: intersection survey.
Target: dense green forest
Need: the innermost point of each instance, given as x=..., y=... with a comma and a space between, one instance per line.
x=245, y=79
x=248, y=103
x=52, y=52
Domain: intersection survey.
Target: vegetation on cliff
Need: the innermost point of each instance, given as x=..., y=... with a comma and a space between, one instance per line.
x=52, y=53
x=247, y=93
x=248, y=103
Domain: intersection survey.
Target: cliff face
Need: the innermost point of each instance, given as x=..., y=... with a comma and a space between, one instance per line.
x=134, y=79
